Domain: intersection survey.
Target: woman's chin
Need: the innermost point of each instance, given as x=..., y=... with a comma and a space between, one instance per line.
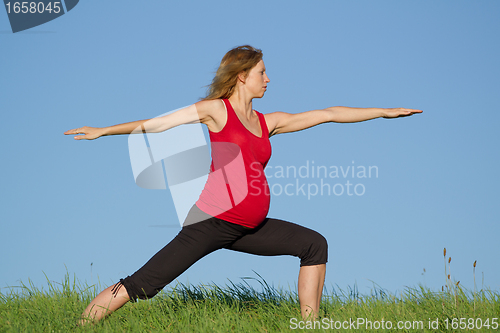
x=260, y=95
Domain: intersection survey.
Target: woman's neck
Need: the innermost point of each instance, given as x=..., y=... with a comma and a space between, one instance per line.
x=241, y=104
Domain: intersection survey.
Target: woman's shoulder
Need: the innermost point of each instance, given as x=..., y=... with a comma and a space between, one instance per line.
x=214, y=111
x=210, y=105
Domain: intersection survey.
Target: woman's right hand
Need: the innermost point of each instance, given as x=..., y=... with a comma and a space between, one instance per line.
x=89, y=133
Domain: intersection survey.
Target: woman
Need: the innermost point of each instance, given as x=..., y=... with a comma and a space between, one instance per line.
x=230, y=213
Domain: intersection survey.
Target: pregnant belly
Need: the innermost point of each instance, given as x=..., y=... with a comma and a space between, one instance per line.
x=245, y=203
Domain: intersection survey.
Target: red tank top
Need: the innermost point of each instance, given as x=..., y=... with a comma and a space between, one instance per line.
x=236, y=189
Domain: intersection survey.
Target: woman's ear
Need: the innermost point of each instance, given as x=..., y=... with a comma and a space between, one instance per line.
x=242, y=76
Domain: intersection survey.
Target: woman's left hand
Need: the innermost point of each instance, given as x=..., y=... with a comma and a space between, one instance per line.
x=399, y=112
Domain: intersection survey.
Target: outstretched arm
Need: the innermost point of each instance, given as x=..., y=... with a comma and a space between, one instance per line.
x=195, y=113
x=282, y=122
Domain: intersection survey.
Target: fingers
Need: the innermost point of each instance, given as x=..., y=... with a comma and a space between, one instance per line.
x=402, y=112
x=408, y=112
x=76, y=131
x=71, y=131
x=412, y=111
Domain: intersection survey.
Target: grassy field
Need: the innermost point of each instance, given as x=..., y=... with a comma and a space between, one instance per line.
x=242, y=308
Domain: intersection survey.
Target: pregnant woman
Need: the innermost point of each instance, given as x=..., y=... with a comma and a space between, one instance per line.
x=231, y=211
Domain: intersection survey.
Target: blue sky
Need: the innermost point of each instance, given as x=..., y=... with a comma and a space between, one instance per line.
x=73, y=205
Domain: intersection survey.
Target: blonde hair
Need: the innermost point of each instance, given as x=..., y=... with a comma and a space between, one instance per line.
x=240, y=59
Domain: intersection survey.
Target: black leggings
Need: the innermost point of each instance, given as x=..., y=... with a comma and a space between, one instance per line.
x=271, y=238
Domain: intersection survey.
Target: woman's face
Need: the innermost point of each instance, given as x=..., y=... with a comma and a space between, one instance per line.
x=256, y=81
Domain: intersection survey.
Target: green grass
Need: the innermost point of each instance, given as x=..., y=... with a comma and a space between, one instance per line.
x=240, y=308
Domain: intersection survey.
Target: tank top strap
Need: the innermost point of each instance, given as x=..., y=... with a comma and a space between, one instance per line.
x=229, y=111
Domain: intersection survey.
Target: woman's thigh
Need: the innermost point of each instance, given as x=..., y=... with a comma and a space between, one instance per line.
x=277, y=237
x=192, y=243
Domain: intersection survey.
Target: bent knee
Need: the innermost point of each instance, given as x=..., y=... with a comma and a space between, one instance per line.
x=314, y=251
